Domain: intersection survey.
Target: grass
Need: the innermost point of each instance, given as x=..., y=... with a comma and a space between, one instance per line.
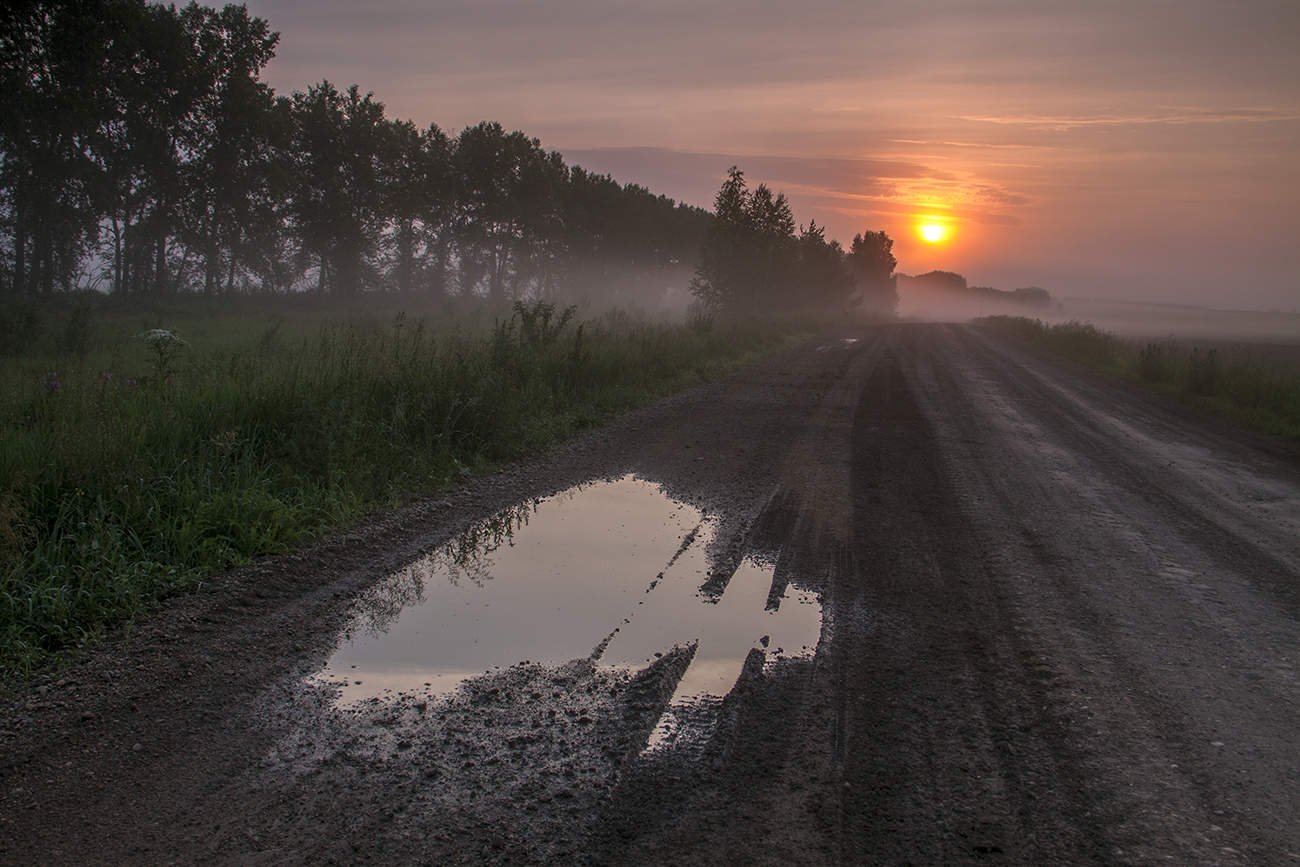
x=131, y=470
x=1245, y=383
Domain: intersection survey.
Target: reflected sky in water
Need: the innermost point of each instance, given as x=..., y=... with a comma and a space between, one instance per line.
x=609, y=571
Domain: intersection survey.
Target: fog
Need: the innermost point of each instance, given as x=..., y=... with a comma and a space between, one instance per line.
x=922, y=300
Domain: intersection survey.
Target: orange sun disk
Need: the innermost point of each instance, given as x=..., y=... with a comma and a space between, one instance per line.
x=932, y=233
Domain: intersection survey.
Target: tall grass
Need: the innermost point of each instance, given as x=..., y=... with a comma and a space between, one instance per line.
x=1254, y=387
x=123, y=479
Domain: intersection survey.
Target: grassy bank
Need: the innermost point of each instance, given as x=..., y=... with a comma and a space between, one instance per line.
x=1249, y=384
x=133, y=467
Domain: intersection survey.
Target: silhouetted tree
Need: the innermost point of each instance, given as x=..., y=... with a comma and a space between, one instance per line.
x=232, y=142
x=51, y=56
x=822, y=268
x=418, y=176
x=871, y=261
x=727, y=272
x=337, y=199
x=751, y=257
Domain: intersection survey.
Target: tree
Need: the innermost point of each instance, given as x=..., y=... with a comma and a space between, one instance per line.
x=751, y=257
x=51, y=55
x=232, y=140
x=822, y=267
x=337, y=202
x=508, y=206
x=871, y=261
x=725, y=271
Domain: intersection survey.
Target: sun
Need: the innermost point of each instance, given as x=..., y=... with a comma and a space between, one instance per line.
x=933, y=233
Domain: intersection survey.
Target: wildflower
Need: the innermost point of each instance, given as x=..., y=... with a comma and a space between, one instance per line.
x=52, y=383
x=106, y=376
x=161, y=337
x=166, y=346
x=132, y=381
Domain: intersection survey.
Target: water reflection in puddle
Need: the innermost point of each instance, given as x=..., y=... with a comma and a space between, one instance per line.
x=609, y=572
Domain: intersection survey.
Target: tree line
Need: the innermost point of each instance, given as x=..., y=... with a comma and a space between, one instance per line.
x=754, y=256
x=142, y=154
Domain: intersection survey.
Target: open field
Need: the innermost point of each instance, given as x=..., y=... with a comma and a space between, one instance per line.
x=132, y=467
x=1147, y=321
x=981, y=603
x=1253, y=383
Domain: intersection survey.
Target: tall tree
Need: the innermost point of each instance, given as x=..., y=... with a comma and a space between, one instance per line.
x=418, y=177
x=51, y=55
x=823, y=275
x=231, y=139
x=723, y=277
x=337, y=199
x=506, y=185
x=871, y=259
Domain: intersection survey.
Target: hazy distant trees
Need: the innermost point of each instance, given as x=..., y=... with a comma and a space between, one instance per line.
x=140, y=152
x=949, y=288
x=755, y=256
x=943, y=280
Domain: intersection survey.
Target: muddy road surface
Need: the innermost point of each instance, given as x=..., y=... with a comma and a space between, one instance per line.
x=902, y=595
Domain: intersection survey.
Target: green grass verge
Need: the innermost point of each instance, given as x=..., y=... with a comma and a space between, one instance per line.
x=1238, y=381
x=127, y=475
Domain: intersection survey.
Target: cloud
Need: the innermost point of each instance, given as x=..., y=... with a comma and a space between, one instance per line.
x=1175, y=117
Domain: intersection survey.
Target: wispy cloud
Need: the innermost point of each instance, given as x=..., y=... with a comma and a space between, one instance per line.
x=973, y=145
x=1173, y=117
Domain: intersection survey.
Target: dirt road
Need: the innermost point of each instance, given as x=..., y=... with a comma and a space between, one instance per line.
x=1057, y=623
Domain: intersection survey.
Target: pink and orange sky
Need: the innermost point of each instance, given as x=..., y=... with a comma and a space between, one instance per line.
x=1144, y=150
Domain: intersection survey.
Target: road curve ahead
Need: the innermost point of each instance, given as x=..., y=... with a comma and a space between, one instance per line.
x=1058, y=624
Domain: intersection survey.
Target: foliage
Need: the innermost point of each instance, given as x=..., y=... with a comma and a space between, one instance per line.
x=753, y=259
x=115, y=493
x=1238, y=381
x=871, y=259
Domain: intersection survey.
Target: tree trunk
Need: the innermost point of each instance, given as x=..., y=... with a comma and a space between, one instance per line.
x=20, y=286
x=160, y=265
x=211, y=263
x=405, y=256
x=438, y=269
x=44, y=271
x=230, y=274
x=118, y=288
x=497, y=277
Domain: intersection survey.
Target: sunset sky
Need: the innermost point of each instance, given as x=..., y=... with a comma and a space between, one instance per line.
x=1110, y=149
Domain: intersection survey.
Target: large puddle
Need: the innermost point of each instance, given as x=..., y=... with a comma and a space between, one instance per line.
x=609, y=572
